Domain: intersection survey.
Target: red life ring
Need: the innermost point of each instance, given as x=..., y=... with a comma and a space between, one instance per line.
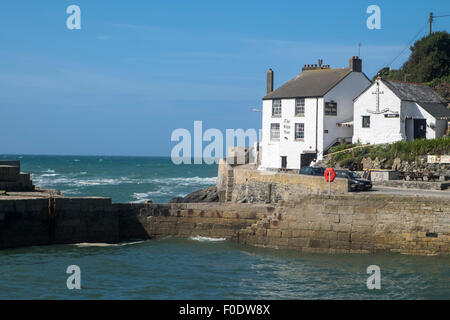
x=331, y=172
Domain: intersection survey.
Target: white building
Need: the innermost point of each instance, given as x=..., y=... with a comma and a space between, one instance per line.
x=390, y=111
x=307, y=115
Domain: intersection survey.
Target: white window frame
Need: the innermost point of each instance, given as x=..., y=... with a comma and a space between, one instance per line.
x=300, y=107
x=274, y=132
x=299, y=131
x=276, y=108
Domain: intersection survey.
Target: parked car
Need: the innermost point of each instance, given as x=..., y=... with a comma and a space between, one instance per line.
x=355, y=182
x=312, y=171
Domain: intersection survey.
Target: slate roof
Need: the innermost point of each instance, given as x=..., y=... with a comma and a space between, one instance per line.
x=413, y=92
x=310, y=83
x=423, y=95
x=437, y=110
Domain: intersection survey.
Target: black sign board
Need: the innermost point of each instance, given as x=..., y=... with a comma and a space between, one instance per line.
x=391, y=115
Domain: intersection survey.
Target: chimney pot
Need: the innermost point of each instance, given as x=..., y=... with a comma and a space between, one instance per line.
x=269, y=81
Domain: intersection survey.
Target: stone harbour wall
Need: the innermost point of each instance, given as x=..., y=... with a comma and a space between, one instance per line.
x=214, y=220
x=356, y=224
x=256, y=186
x=423, y=185
x=42, y=221
x=316, y=223
x=65, y=220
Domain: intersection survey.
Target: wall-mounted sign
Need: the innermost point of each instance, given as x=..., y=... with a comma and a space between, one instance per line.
x=391, y=115
x=287, y=128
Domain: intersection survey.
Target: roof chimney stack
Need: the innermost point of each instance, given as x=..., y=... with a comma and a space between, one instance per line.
x=355, y=64
x=269, y=81
x=319, y=66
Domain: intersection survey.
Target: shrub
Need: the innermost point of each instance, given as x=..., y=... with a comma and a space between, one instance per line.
x=405, y=150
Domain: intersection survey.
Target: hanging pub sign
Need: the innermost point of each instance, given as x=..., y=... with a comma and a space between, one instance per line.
x=331, y=108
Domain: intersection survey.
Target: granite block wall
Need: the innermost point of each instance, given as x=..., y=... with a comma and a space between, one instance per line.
x=356, y=224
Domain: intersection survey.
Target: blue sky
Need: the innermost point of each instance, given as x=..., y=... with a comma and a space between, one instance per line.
x=137, y=70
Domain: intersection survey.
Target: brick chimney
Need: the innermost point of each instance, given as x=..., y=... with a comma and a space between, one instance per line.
x=355, y=64
x=269, y=81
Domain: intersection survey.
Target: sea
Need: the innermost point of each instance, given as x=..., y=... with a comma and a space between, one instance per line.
x=197, y=267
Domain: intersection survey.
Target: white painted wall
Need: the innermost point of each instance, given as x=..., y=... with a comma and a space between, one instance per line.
x=412, y=110
x=387, y=130
x=435, y=128
x=382, y=130
x=343, y=93
x=272, y=151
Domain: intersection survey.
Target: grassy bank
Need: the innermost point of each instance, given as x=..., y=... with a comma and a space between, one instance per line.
x=386, y=153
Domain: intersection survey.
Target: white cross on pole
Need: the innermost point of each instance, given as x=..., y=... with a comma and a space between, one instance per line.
x=378, y=92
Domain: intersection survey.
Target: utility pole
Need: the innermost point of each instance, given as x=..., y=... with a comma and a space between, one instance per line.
x=431, y=21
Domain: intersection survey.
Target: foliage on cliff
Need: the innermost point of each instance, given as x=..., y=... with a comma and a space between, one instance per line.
x=428, y=63
x=405, y=150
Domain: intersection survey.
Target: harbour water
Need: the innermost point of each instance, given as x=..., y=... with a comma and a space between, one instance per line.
x=196, y=268
x=202, y=269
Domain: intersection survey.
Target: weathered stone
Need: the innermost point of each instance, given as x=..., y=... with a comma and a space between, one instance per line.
x=205, y=195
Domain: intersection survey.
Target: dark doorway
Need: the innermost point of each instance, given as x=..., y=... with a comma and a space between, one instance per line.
x=420, y=128
x=283, y=162
x=306, y=159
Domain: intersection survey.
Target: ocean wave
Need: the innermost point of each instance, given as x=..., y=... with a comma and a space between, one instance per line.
x=50, y=174
x=141, y=197
x=185, y=181
x=48, y=179
x=86, y=244
x=204, y=239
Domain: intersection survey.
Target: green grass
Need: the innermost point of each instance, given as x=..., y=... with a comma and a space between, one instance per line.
x=405, y=150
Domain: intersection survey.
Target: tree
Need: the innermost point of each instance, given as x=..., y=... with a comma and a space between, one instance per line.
x=430, y=58
x=429, y=63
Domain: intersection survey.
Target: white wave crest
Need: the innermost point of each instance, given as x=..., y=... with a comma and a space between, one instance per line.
x=204, y=239
x=45, y=180
x=185, y=181
x=86, y=244
x=50, y=175
x=141, y=197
